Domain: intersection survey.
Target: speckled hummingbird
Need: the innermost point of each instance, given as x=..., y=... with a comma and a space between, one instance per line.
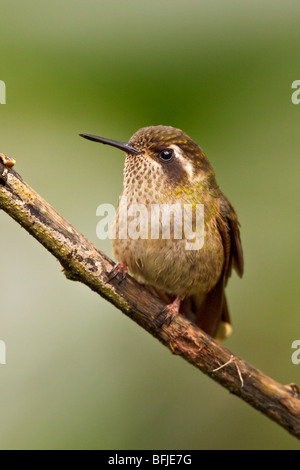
x=164, y=165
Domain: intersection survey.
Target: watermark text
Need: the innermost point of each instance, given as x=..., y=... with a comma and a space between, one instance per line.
x=135, y=221
x=2, y=353
x=296, y=94
x=296, y=354
x=2, y=92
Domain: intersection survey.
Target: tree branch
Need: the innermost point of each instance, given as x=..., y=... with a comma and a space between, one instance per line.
x=82, y=261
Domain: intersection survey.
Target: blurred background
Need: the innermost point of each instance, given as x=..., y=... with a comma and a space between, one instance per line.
x=79, y=374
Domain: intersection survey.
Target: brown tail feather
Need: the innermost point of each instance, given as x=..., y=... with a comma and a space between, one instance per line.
x=209, y=312
x=212, y=315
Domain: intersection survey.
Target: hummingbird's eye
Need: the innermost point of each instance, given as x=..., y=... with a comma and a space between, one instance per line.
x=166, y=154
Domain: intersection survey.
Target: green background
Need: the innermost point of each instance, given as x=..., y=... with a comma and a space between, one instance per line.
x=80, y=374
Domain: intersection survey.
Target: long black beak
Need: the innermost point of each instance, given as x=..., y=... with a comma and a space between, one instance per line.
x=114, y=143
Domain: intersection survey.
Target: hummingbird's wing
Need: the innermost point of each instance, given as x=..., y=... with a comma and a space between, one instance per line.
x=212, y=314
x=228, y=226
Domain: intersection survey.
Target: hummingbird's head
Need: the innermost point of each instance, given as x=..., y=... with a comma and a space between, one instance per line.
x=164, y=151
x=172, y=152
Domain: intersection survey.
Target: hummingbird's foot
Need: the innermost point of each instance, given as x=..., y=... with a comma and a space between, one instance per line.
x=170, y=311
x=119, y=268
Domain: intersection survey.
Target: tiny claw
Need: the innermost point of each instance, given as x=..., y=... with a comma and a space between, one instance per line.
x=167, y=317
x=170, y=311
x=119, y=268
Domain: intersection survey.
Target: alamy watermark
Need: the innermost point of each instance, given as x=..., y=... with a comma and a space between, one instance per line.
x=296, y=354
x=155, y=221
x=2, y=92
x=2, y=353
x=296, y=94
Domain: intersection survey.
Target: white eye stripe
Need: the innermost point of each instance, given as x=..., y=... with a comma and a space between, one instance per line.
x=190, y=169
x=177, y=151
x=186, y=164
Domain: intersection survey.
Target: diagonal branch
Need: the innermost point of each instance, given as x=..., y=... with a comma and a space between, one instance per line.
x=82, y=261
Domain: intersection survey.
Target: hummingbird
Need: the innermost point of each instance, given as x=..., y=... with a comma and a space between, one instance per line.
x=165, y=166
